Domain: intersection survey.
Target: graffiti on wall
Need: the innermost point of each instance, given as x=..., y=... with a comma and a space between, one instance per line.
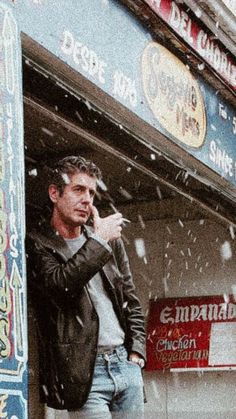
x=13, y=345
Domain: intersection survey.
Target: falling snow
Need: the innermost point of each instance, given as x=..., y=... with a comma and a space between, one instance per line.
x=125, y=193
x=33, y=172
x=181, y=223
x=142, y=223
x=102, y=185
x=140, y=247
x=159, y=192
x=201, y=66
x=66, y=178
x=198, y=13
x=226, y=251
x=232, y=233
x=47, y=131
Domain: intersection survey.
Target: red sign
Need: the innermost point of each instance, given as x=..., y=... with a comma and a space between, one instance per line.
x=202, y=41
x=192, y=332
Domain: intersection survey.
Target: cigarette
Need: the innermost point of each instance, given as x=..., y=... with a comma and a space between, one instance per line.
x=124, y=220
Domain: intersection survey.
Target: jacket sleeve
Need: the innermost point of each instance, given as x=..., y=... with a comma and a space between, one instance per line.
x=54, y=277
x=134, y=318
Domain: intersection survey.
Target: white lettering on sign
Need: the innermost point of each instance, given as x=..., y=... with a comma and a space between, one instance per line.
x=156, y=3
x=178, y=356
x=234, y=125
x=173, y=345
x=221, y=159
x=3, y=405
x=84, y=57
x=209, y=50
x=12, y=188
x=181, y=22
x=223, y=112
x=203, y=312
x=124, y=88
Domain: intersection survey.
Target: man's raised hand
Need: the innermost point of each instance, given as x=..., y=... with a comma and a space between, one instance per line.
x=108, y=228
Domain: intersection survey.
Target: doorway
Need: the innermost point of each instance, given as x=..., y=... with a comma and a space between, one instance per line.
x=174, y=238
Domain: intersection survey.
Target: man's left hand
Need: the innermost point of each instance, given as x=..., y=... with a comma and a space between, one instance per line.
x=137, y=359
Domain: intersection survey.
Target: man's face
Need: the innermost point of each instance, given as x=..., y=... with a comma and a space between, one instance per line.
x=72, y=208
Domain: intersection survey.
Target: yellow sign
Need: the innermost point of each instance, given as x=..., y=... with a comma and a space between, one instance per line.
x=173, y=95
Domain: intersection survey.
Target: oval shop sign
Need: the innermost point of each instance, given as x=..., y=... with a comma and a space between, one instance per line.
x=173, y=95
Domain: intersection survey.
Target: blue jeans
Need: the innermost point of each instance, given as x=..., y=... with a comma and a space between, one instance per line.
x=117, y=389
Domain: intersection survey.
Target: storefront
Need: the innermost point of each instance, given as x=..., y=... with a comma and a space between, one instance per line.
x=98, y=82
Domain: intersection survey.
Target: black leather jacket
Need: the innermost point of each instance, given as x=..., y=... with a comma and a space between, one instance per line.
x=67, y=321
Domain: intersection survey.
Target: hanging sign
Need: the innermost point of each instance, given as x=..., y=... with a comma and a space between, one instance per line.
x=191, y=333
x=200, y=39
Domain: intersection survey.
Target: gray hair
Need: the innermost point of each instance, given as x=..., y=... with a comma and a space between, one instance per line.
x=70, y=165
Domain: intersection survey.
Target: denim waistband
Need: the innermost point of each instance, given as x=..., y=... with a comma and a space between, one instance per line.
x=113, y=350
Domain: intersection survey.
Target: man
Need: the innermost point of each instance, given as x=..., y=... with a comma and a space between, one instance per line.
x=90, y=323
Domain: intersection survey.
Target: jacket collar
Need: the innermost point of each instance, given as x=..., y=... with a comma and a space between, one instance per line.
x=51, y=239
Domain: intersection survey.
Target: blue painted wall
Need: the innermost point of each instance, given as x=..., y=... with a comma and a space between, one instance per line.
x=13, y=330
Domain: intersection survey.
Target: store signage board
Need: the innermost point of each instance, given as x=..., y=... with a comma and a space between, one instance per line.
x=173, y=95
x=13, y=318
x=192, y=333
x=197, y=37
x=106, y=44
